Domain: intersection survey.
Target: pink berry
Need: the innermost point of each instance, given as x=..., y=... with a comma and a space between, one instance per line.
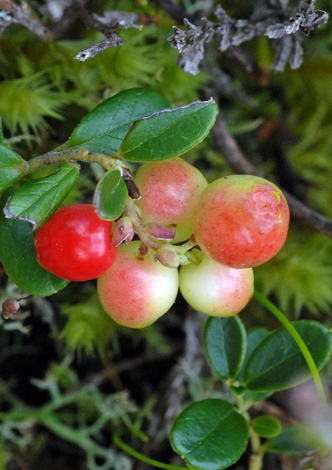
x=170, y=191
x=135, y=292
x=241, y=221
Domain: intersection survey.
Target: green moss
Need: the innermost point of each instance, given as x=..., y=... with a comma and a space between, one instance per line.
x=300, y=275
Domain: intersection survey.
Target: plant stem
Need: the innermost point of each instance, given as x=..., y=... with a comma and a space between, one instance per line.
x=131, y=211
x=130, y=451
x=71, y=156
x=299, y=341
x=256, y=458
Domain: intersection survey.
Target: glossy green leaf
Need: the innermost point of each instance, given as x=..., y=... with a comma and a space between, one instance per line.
x=210, y=434
x=225, y=345
x=104, y=128
x=254, y=337
x=277, y=362
x=36, y=200
x=169, y=132
x=18, y=256
x=266, y=426
x=110, y=195
x=291, y=441
x=12, y=167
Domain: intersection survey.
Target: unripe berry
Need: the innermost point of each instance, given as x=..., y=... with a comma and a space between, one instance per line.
x=136, y=292
x=170, y=191
x=241, y=221
x=215, y=289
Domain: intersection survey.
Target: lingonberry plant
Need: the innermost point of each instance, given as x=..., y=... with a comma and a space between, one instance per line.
x=233, y=224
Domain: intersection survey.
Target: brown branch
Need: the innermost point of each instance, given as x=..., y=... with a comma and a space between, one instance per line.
x=227, y=145
x=91, y=21
x=175, y=12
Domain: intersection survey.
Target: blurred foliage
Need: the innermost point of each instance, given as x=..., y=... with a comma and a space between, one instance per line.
x=299, y=277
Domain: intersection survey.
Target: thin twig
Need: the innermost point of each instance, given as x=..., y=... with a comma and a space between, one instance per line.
x=175, y=12
x=113, y=38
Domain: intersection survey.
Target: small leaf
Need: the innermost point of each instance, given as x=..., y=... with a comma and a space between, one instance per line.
x=169, y=132
x=12, y=167
x=18, y=256
x=225, y=345
x=277, y=362
x=289, y=442
x=267, y=426
x=210, y=434
x=36, y=200
x=105, y=127
x=110, y=195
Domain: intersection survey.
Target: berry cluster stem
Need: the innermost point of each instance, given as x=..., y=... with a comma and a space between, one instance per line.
x=131, y=211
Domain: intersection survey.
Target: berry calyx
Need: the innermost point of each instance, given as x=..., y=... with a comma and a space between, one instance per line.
x=137, y=290
x=241, y=221
x=75, y=244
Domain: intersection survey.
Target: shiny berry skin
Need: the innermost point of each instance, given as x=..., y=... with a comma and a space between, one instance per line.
x=170, y=191
x=241, y=221
x=215, y=289
x=75, y=244
x=136, y=292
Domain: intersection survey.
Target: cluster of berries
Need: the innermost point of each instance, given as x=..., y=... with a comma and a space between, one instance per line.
x=236, y=223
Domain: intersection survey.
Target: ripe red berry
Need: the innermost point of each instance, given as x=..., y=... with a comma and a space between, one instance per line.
x=241, y=221
x=75, y=244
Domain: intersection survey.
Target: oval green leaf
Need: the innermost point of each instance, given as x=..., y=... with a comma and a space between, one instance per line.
x=210, y=434
x=254, y=337
x=169, y=132
x=266, y=426
x=291, y=441
x=110, y=195
x=18, y=256
x=104, y=128
x=12, y=167
x=225, y=345
x=277, y=362
x=36, y=200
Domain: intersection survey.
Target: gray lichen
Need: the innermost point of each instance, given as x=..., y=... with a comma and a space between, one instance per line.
x=272, y=18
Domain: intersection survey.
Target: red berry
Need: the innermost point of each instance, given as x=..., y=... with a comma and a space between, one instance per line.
x=75, y=244
x=241, y=221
